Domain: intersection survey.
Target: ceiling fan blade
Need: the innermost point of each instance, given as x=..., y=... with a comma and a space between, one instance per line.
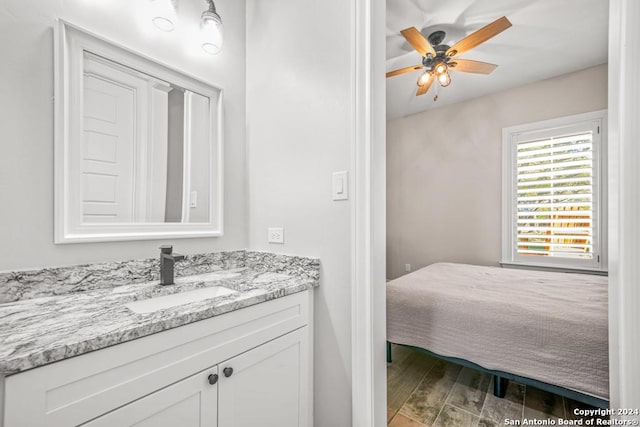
x=480, y=36
x=418, y=41
x=404, y=70
x=469, y=66
x=425, y=87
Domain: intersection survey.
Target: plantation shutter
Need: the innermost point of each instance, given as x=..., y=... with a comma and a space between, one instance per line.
x=556, y=195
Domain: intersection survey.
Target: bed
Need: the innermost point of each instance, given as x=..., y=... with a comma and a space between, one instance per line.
x=543, y=329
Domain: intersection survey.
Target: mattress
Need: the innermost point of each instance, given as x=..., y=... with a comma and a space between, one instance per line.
x=551, y=327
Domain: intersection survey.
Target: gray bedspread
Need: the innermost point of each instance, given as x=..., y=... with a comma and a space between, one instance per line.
x=551, y=327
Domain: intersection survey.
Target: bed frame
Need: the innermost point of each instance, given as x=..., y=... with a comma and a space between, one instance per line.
x=501, y=379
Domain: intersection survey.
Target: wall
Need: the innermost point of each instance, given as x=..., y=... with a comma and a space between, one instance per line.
x=299, y=97
x=26, y=109
x=444, y=169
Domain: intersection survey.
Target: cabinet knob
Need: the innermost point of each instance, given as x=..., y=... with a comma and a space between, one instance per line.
x=228, y=371
x=213, y=378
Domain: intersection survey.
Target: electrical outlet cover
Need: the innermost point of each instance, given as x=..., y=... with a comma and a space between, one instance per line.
x=275, y=235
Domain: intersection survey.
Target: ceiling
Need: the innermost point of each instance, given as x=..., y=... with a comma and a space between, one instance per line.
x=548, y=38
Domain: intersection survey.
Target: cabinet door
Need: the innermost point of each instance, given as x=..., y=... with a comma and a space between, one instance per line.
x=191, y=402
x=269, y=385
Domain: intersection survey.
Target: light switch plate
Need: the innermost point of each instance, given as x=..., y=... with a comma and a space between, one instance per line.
x=275, y=235
x=340, y=185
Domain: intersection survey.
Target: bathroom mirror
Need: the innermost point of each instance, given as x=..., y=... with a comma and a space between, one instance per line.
x=138, y=146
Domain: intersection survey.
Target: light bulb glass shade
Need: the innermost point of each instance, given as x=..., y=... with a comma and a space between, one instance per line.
x=444, y=79
x=211, y=32
x=440, y=68
x=423, y=79
x=163, y=14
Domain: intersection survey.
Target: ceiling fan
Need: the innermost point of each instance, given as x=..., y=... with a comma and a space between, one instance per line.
x=439, y=58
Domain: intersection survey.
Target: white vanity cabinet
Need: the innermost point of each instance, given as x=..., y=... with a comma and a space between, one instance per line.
x=261, y=356
x=263, y=389
x=191, y=402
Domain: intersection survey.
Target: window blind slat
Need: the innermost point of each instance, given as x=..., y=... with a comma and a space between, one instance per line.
x=555, y=205
x=582, y=171
x=548, y=221
x=545, y=161
x=555, y=245
x=578, y=147
x=569, y=230
x=526, y=145
x=539, y=190
x=563, y=254
x=564, y=165
x=547, y=216
x=577, y=197
x=553, y=182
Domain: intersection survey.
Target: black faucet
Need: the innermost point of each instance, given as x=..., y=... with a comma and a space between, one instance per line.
x=167, y=261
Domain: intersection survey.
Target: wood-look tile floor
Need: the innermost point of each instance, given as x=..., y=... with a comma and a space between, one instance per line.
x=423, y=391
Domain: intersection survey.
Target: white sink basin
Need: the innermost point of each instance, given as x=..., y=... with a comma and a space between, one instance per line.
x=167, y=301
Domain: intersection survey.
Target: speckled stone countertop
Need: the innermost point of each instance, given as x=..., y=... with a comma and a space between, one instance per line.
x=54, y=314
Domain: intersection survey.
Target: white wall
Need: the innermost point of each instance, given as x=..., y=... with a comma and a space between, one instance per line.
x=26, y=127
x=299, y=97
x=444, y=169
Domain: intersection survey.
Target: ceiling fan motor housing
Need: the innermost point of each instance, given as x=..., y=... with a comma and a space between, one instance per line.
x=435, y=38
x=441, y=51
x=430, y=61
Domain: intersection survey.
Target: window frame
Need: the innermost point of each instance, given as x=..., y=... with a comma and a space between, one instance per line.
x=510, y=138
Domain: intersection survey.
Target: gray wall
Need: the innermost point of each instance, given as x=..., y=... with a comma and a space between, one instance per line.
x=26, y=111
x=298, y=133
x=444, y=169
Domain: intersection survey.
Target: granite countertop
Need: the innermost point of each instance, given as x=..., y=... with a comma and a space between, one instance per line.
x=50, y=327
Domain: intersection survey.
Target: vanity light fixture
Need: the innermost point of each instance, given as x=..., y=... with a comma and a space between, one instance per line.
x=211, y=29
x=163, y=14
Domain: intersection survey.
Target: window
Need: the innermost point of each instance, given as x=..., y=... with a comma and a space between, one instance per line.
x=554, y=196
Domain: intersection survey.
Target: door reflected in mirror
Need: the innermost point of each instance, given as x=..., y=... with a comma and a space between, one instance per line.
x=130, y=178
x=139, y=155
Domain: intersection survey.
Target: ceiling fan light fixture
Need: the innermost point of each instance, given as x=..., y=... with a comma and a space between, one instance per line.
x=211, y=30
x=444, y=79
x=440, y=68
x=424, y=78
x=437, y=57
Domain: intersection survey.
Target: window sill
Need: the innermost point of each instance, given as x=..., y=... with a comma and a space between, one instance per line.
x=538, y=267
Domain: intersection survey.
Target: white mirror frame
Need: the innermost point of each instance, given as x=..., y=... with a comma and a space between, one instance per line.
x=70, y=43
